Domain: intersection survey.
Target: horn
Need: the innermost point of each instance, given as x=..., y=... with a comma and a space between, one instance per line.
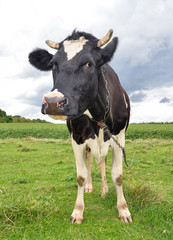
x=105, y=39
x=52, y=44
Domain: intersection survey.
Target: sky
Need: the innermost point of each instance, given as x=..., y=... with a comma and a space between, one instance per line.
x=143, y=60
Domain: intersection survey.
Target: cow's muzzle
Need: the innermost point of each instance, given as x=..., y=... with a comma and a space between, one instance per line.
x=54, y=104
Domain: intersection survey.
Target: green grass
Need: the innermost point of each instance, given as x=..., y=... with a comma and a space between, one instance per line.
x=59, y=131
x=37, y=130
x=38, y=190
x=144, y=131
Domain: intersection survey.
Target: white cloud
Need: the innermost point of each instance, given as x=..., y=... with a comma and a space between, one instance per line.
x=151, y=109
x=143, y=27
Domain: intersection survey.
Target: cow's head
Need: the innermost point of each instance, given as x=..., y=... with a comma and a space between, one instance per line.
x=75, y=68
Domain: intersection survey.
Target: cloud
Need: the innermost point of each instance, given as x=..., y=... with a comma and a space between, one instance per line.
x=143, y=60
x=165, y=100
x=153, y=74
x=29, y=71
x=34, y=89
x=145, y=29
x=35, y=97
x=152, y=109
x=137, y=96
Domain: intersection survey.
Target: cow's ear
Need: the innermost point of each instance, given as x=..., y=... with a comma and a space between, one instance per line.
x=41, y=59
x=108, y=51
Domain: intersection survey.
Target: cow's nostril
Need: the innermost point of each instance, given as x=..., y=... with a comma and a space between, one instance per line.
x=54, y=105
x=62, y=103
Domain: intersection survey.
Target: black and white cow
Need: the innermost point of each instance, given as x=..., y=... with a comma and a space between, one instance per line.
x=86, y=91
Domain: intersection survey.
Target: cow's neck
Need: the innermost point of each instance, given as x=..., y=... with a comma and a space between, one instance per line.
x=99, y=108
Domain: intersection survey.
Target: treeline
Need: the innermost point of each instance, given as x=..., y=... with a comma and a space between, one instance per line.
x=4, y=118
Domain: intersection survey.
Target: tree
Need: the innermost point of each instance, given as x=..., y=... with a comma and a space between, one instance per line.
x=2, y=113
x=4, y=118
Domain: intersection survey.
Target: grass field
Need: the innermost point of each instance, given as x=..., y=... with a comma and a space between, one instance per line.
x=59, y=131
x=38, y=186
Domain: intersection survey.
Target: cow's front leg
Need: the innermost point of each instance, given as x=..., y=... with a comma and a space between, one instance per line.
x=117, y=178
x=77, y=214
x=89, y=158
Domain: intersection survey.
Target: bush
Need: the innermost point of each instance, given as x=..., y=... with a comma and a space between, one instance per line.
x=6, y=119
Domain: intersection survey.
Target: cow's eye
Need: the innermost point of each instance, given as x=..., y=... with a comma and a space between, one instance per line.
x=89, y=64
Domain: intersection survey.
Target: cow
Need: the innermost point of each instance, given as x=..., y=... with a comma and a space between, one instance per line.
x=87, y=94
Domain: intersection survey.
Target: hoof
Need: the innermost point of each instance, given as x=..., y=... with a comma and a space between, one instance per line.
x=126, y=219
x=88, y=189
x=76, y=220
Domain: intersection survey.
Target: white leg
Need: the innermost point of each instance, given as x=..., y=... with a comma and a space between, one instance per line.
x=104, y=186
x=117, y=178
x=77, y=214
x=89, y=157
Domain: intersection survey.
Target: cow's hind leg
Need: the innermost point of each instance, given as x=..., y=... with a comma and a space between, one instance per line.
x=77, y=214
x=117, y=178
x=104, y=186
x=89, y=157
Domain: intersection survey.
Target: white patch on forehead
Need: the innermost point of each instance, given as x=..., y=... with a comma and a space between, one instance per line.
x=73, y=47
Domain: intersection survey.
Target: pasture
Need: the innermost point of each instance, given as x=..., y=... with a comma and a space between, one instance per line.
x=38, y=186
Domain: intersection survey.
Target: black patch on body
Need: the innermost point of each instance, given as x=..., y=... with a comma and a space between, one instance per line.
x=81, y=129
x=84, y=128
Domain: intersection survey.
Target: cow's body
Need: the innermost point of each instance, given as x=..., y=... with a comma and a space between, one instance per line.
x=86, y=91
